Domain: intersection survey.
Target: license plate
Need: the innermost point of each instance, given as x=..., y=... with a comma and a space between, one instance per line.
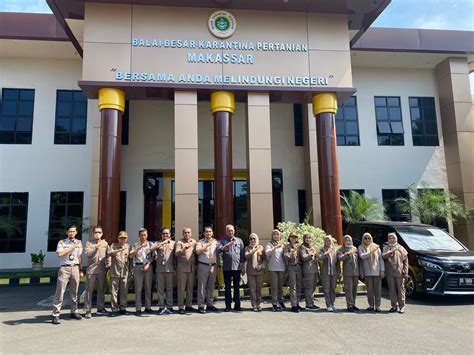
x=465, y=281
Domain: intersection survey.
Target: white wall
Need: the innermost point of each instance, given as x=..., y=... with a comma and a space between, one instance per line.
x=42, y=167
x=372, y=167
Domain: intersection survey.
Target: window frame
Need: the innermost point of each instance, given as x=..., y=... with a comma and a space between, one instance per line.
x=22, y=223
x=17, y=116
x=341, y=119
x=384, y=138
x=71, y=117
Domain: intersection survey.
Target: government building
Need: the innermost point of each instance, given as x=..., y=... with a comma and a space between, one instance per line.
x=177, y=113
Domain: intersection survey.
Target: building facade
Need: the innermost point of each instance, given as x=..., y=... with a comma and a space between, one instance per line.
x=173, y=116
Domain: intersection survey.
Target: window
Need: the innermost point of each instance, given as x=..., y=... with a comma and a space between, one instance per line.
x=125, y=124
x=388, y=115
x=65, y=208
x=301, y=205
x=240, y=210
x=298, y=124
x=71, y=117
x=16, y=119
x=347, y=123
x=391, y=210
x=424, y=128
x=123, y=211
x=14, y=214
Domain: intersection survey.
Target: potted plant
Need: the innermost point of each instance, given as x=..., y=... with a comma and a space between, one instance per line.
x=37, y=261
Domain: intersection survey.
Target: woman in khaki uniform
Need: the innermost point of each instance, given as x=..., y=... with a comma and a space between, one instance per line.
x=292, y=259
x=372, y=270
x=308, y=256
x=276, y=269
x=329, y=272
x=350, y=266
x=255, y=255
x=396, y=269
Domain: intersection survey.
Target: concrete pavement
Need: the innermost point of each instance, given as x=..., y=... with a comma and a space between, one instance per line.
x=433, y=325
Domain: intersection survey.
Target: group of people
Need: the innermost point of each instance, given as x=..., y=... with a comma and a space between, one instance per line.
x=186, y=257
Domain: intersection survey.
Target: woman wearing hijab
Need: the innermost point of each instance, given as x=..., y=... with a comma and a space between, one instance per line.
x=308, y=256
x=396, y=266
x=329, y=272
x=276, y=269
x=292, y=258
x=372, y=270
x=254, y=254
x=350, y=266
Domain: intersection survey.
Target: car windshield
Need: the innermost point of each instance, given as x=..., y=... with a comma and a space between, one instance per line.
x=428, y=238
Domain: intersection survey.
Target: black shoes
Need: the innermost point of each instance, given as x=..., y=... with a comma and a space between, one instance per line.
x=355, y=308
x=201, y=310
x=138, y=313
x=350, y=309
x=370, y=309
x=212, y=309
x=295, y=309
x=190, y=309
x=102, y=312
x=76, y=316
x=148, y=310
x=237, y=309
x=123, y=312
x=56, y=320
x=161, y=311
x=392, y=310
x=282, y=305
x=181, y=311
x=312, y=308
x=276, y=308
x=227, y=309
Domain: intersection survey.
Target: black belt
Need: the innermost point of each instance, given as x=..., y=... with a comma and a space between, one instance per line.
x=200, y=262
x=69, y=265
x=138, y=263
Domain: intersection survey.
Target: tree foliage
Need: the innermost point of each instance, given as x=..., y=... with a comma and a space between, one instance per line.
x=357, y=208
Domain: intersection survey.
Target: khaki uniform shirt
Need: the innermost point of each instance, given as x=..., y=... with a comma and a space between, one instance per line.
x=330, y=263
x=165, y=257
x=395, y=264
x=144, y=255
x=260, y=258
x=186, y=257
x=96, y=256
x=309, y=259
x=210, y=255
x=291, y=255
x=350, y=263
x=118, y=261
x=72, y=258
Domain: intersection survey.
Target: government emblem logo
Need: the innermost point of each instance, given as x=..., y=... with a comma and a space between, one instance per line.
x=222, y=24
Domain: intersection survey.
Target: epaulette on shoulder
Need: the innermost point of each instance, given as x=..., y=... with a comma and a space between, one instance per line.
x=61, y=242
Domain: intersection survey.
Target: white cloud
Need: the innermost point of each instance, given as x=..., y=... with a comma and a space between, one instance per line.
x=438, y=22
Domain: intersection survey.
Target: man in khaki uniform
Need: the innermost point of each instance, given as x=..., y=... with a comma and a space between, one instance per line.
x=164, y=271
x=310, y=270
x=118, y=258
x=96, y=252
x=142, y=271
x=206, y=250
x=69, y=251
x=185, y=270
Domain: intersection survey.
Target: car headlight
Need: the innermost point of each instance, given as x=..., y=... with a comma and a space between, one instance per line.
x=430, y=266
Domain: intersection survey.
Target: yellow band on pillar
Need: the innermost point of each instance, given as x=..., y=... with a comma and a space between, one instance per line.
x=111, y=98
x=222, y=101
x=324, y=103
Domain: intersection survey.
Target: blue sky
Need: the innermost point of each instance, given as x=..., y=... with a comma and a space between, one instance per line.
x=430, y=14
x=433, y=14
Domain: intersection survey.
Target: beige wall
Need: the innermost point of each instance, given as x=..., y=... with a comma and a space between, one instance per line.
x=458, y=131
x=109, y=29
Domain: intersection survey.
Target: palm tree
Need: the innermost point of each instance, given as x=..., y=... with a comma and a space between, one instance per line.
x=430, y=205
x=9, y=226
x=357, y=207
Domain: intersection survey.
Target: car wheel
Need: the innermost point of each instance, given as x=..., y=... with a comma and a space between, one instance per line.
x=411, y=286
